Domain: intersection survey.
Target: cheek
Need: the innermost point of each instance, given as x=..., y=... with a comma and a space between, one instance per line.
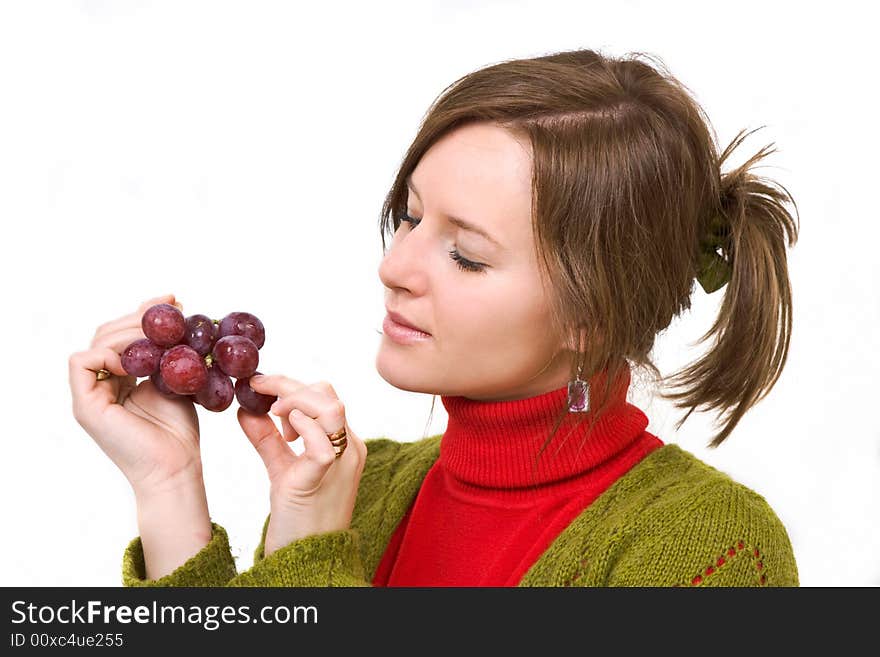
x=503, y=313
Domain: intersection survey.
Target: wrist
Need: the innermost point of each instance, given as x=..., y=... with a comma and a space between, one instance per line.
x=275, y=542
x=277, y=537
x=184, y=483
x=174, y=525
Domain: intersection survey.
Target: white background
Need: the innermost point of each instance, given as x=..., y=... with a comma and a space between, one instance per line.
x=237, y=155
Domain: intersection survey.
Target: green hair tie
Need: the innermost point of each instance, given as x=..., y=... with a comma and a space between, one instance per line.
x=713, y=268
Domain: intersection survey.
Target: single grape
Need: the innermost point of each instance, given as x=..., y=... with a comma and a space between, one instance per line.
x=251, y=400
x=164, y=324
x=183, y=370
x=236, y=355
x=141, y=357
x=162, y=387
x=246, y=324
x=201, y=333
x=218, y=392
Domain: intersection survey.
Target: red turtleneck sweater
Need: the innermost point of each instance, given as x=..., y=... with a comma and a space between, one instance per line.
x=482, y=517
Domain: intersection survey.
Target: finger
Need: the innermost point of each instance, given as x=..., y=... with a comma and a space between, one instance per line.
x=326, y=388
x=275, y=384
x=335, y=419
x=319, y=454
x=119, y=340
x=132, y=319
x=165, y=298
x=289, y=433
x=311, y=402
x=263, y=435
x=83, y=365
x=327, y=411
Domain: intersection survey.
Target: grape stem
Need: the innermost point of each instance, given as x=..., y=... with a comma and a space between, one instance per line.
x=209, y=360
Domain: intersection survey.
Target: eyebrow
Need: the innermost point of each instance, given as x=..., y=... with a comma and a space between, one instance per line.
x=461, y=223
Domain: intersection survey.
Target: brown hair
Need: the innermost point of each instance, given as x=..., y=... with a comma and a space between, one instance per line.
x=626, y=185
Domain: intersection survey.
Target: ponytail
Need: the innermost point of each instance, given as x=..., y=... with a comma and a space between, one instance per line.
x=750, y=226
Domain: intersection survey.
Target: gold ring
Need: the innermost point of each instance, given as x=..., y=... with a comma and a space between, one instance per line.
x=102, y=374
x=337, y=435
x=339, y=441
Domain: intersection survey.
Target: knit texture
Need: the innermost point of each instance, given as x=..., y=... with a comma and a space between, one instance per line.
x=671, y=520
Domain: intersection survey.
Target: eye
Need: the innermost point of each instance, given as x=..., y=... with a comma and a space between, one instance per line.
x=463, y=263
x=410, y=220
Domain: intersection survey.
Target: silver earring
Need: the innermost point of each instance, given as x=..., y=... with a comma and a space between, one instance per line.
x=578, y=395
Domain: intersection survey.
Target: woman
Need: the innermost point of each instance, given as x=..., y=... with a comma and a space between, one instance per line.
x=549, y=220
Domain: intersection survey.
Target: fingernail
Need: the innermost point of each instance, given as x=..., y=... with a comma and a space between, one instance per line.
x=256, y=378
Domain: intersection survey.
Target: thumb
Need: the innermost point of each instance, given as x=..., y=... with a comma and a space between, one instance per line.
x=270, y=445
x=81, y=374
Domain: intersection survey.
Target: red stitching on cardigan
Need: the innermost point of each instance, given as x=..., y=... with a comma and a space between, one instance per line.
x=698, y=579
x=578, y=573
x=731, y=552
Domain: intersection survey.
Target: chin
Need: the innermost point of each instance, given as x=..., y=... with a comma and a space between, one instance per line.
x=403, y=373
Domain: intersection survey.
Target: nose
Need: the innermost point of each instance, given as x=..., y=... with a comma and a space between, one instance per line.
x=403, y=265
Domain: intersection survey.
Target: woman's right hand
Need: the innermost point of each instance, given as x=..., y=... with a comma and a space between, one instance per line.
x=152, y=439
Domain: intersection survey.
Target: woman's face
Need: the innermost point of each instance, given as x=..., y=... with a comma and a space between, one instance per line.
x=490, y=336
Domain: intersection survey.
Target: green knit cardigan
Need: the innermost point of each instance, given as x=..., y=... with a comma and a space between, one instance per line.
x=671, y=520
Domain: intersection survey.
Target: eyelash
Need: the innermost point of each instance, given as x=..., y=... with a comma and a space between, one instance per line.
x=463, y=263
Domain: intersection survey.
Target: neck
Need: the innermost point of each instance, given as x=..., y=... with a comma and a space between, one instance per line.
x=494, y=445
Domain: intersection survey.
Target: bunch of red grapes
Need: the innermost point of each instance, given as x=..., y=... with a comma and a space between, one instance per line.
x=197, y=357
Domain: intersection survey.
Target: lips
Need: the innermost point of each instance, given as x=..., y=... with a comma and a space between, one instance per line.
x=403, y=321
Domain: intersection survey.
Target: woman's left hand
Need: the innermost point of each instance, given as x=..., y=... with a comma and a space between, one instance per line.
x=313, y=492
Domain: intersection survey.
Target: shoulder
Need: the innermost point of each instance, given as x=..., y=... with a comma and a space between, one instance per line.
x=393, y=464
x=672, y=520
x=696, y=525
x=384, y=454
